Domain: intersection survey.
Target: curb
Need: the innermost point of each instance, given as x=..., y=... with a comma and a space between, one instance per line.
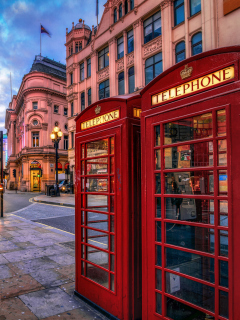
x=55, y=203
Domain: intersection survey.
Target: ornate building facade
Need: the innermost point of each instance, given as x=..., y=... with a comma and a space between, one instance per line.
x=39, y=106
x=135, y=41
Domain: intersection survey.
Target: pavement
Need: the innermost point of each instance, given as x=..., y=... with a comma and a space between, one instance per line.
x=37, y=273
x=65, y=199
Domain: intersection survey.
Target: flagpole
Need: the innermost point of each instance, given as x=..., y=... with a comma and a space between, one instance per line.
x=40, y=40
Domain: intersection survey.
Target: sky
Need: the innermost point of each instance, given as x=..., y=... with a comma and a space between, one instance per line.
x=20, y=37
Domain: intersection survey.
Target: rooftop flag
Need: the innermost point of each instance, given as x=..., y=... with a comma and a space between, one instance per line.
x=43, y=30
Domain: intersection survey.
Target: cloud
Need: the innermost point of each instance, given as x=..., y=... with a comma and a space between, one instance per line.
x=19, y=7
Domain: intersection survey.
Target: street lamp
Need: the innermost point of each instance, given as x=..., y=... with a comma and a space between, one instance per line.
x=56, y=136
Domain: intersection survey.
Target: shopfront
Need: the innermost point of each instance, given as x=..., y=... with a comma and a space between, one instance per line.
x=108, y=232
x=36, y=174
x=190, y=180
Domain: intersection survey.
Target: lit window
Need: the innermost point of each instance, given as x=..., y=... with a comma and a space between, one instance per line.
x=71, y=78
x=131, y=4
x=89, y=67
x=82, y=101
x=120, y=11
x=152, y=27
x=195, y=6
x=130, y=41
x=72, y=109
x=104, y=90
x=153, y=67
x=56, y=109
x=65, y=111
x=178, y=11
x=180, y=51
x=197, y=43
x=82, y=71
x=120, y=48
x=103, y=58
x=115, y=15
x=126, y=6
x=121, y=83
x=89, y=97
x=65, y=141
x=35, y=139
x=131, y=80
x=35, y=105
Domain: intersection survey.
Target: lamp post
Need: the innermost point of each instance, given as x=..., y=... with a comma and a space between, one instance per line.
x=56, y=136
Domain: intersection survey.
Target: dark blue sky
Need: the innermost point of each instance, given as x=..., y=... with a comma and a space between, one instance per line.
x=20, y=36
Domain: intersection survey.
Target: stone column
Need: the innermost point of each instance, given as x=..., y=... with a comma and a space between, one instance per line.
x=112, y=67
x=94, y=69
x=167, y=47
x=138, y=42
x=209, y=25
x=125, y=62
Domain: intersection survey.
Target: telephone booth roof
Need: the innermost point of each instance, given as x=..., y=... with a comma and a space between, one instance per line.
x=173, y=87
x=124, y=103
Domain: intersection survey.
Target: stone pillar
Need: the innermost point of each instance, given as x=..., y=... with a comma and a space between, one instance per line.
x=209, y=25
x=138, y=42
x=94, y=69
x=167, y=47
x=125, y=62
x=112, y=67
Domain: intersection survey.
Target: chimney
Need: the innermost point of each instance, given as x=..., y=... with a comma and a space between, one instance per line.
x=72, y=25
x=66, y=31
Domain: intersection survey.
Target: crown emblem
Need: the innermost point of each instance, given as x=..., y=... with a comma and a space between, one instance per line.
x=186, y=72
x=98, y=109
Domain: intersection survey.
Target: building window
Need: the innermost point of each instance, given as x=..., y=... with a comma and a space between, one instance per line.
x=82, y=71
x=104, y=90
x=35, y=139
x=120, y=10
x=35, y=105
x=115, y=15
x=152, y=27
x=131, y=4
x=131, y=80
x=82, y=101
x=72, y=138
x=178, y=11
x=66, y=126
x=121, y=83
x=153, y=67
x=65, y=111
x=103, y=58
x=72, y=109
x=78, y=46
x=35, y=122
x=197, y=43
x=89, y=67
x=120, y=48
x=71, y=78
x=180, y=51
x=55, y=110
x=195, y=7
x=70, y=50
x=89, y=97
x=130, y=41
x=65, y=141
x=126, y=6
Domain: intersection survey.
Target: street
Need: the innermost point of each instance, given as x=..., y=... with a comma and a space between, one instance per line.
x=13, y=201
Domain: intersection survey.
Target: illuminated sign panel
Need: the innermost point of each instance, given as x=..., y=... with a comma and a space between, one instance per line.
x=137, y=112
x=114, y=115
x=195, y=85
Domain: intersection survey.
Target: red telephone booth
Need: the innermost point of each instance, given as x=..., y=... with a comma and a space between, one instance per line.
x=108, y=231
x=190, y=181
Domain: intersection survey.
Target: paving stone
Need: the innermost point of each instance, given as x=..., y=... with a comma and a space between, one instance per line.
x=42, y=230
x=83, y=313
x=26, y=244
x=14, y=309
x=12, y=228
x=49, y=278
x=6, y=272
x=43, y=242
x=3, y=260
x=56, y=236
x=23, y=254
x=48, y=302
x=63, y=259
x=67, y=271
x=7, y=245
x=15, y=286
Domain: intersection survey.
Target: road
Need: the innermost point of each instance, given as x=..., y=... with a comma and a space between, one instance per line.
x=13, y=201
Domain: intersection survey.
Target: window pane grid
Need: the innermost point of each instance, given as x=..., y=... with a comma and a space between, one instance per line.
x=218, y=232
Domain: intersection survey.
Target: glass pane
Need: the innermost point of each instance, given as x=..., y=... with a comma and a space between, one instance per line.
x=195, y=6
x=83, y=151
x=188, y=129
x=97, y=166
x=83, y=218
x=82, y=184
x=98, y=257
x=112, y=184
x=159, y=256
x=157, y=28
x=158, y=183
x=179, y=15
x=194, y=182
x=111, y=203
x=196, y=38
x=158, y=279
x=148, y=74
x=223, y=238
x=158, y=159
x=97, y=220
x=158, y=207
x=197, y=49
x=97, y=148
x=98, y=275
x=131, y=82
x=112, y=165
x=189, y=155
x=223, y=182
x=157, y=136
x=82, y=167
x=196, y=238
x=97, y=202
x=158, y=231
x=186, y=209
x=83, y=234
x=112, y=282
x=112, y=145
x=97, y=185
x=222, y=152
x=223, y=273
x=97, y=239
x=223, y=213
x=223, y=304
x=221, y=122
x=180, y=56
x=191, y=291
x=112, y=262
x=112, y=246
x=111, y=223
x=158, y=303
x=190, y=264
x=179, y=311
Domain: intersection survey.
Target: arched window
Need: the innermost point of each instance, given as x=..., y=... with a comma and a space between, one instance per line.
x=126, y=6
x=197, y=43
x=115, y=15
x=121, y=83
x=120, y=11
x=180, y=51
x=131, y=80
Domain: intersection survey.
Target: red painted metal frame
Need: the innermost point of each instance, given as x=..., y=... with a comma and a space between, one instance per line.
x=125, y=300
x=225, y=96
